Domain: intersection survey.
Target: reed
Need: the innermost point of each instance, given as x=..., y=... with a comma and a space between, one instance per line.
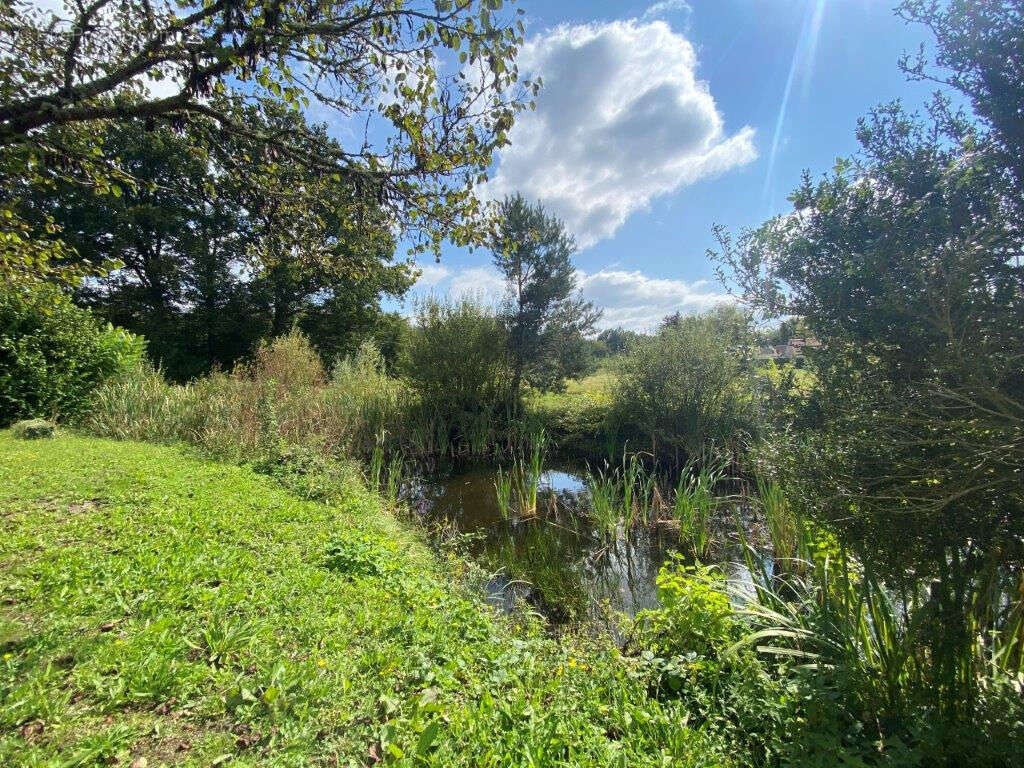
x=631, y=470
x=605, y=508
x=694, y=504
x=376, y=466
x=648, y=497
x=527, y=488
x=396, y=475
x=522, y=481
x=835, y=616
x=782, y=523
x=503, y=492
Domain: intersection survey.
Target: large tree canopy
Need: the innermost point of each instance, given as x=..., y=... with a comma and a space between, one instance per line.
x=980, y=53
x=213, y=255
x=431, y=86
x=906, y=262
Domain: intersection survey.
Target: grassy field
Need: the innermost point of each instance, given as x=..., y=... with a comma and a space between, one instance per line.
x=157, y=609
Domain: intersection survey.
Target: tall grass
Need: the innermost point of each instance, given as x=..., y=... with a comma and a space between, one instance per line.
x=375, y=469
x=627, y=495
x=523, y=481
x=503, y=492
x=283, y=397
x=604, y=502
x=396, y=477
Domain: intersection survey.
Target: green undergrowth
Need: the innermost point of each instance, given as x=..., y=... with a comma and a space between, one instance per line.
x=159, y=609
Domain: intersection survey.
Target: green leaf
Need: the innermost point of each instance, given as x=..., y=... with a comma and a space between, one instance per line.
x=427, y=738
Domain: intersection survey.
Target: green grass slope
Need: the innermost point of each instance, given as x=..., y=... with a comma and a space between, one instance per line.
x=156, y=609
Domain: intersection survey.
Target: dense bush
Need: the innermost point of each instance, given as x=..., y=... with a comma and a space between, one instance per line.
x=696, y=614
x=33, y=429
x=686, y=389
x=823, y=669
x=251, y=414
x=458, y=365
x=53, y=354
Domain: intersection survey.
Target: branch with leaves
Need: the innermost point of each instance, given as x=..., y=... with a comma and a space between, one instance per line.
x=429, y=137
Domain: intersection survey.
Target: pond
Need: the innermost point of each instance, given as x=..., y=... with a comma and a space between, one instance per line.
x=558, y=560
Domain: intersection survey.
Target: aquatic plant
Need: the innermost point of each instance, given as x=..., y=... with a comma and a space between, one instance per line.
x=695, y=502
x=835, y=615
x=376, y=466
x=631, y=469
x=503, y=492
x=648, y=497
x=545, y=558
x=528, y=473
x=604, y=507
x=395, y=478
x=782, y=523
x=523, y=480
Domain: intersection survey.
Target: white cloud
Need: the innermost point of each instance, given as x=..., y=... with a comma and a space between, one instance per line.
x=665, y=7
x=621, y=119
x=481, y=282
x=431, y=274
x=638, y=302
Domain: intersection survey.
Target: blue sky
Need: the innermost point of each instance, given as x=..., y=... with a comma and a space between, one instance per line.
x=659, y=119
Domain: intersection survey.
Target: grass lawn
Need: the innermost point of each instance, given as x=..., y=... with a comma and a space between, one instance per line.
x=159, y=609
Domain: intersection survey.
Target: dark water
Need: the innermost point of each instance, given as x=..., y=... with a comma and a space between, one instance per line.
x=557, y=561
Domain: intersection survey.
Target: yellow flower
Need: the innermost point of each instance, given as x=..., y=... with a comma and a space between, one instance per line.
x=8, y=656
x=321, y=663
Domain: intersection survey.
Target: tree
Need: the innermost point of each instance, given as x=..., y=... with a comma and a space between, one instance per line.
x=546, y=319
x=905, y=264
x=980, y=54
x=383, y=61
x=616, y=340
x=458, y=366
x=216, y=256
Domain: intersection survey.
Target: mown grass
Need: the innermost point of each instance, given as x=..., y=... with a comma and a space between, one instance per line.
x=158, y=609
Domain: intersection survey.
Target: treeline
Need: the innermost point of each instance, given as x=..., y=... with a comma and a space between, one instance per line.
x=211, y=257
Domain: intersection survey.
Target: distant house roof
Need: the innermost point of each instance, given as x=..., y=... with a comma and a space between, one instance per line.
x=789, y=350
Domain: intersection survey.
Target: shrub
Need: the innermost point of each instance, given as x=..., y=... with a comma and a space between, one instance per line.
x=53, y=354
x=360, y=555
x=274, y=407
x=33, y=429
x=139, y=405
x=290, y=361
x=694, y=616
x=361, y=401
x=684, y=390
x=458, y=366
